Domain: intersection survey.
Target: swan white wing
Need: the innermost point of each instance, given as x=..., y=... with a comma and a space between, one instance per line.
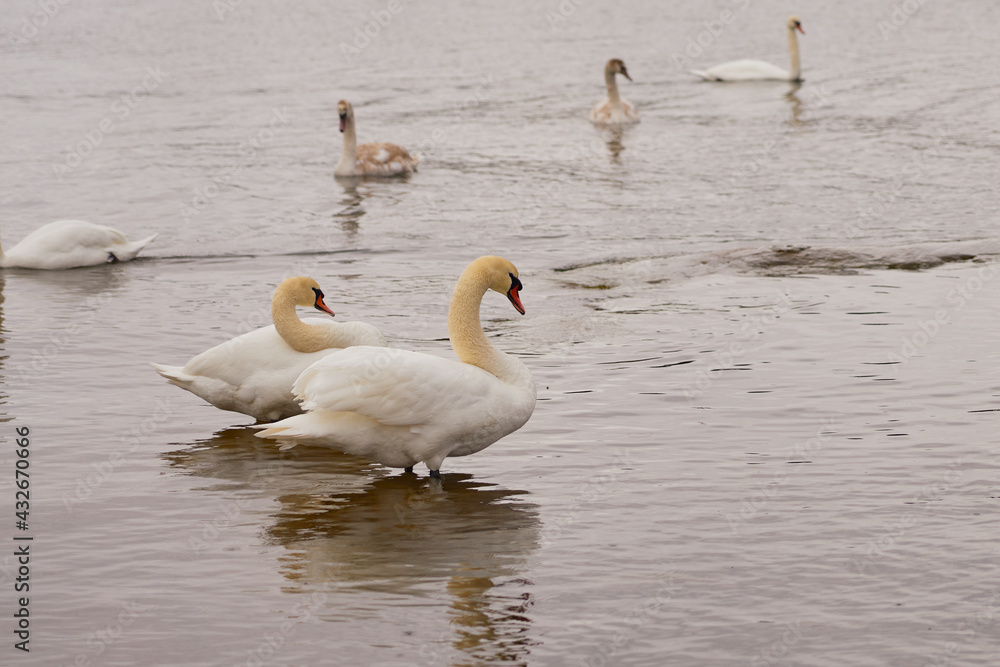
x=66, y=244
x=744, y=70
x=252, y=373
x=394, y=387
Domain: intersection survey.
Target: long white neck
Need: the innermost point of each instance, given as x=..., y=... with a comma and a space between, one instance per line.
x=349, y=156
x=301, y=336
x=613, y=98
x=466, y=331
x=793, y=47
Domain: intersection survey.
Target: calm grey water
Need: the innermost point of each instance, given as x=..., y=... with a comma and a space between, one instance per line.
x=762, y=323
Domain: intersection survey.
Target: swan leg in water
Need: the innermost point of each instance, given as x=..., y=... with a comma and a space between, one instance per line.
x=408, y=469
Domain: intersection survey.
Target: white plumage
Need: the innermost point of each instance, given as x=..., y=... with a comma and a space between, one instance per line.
x=253, y=374
x=759, y=70
x=399, y=407
x=68, y=244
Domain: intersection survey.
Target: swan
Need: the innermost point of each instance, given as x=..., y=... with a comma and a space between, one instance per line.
x=399, y=407
x=254, y=373
x=613, y=109
x=758, y=70
x=67, y=244
x=377, y=159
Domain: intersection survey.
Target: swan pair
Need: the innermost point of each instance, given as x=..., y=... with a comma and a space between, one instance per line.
x=393, y=406
x=68, y=244
x=375, y=159
x=758, y=70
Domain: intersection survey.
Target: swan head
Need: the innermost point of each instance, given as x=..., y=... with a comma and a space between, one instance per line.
x=501, y=276
x=617, y=66
x=304, y=292
x=345, y=111
x=795, y=24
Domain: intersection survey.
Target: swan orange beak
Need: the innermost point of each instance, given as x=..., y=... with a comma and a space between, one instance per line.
x=319, y=304
x=799, y=28
x=343, y=121
x=512, y=295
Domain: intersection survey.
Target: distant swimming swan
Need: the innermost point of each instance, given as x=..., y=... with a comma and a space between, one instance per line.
x=375, y=159
x=614, y=110
x=758, y=70
x=67, y=244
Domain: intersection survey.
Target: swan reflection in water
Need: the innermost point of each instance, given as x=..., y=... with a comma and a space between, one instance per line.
x=351, y=528
x=796, y=104
x=356, y=190
x=612, y=136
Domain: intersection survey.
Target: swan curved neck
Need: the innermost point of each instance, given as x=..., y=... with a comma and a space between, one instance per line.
x=301, y=336
x=466, y=330
x=609, y=79
x=349, y=156
x=793, y=48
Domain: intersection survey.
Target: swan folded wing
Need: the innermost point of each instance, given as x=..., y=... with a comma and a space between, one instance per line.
x=67, y=236
x=385, y=158
x=394, y=387
x=745, y=69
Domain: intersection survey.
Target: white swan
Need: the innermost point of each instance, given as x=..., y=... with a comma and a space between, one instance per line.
x=376, y=159
x=399, y=407
x=67, y=244
x=254, y=373
x=758, y=70
x=613, y=110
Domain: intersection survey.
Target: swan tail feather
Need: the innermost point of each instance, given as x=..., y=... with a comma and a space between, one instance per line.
x=174, y=375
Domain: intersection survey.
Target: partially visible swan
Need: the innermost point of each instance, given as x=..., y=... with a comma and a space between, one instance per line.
x=758, y=70
x=377, y=159
x=254, y=373
x=398, y=407
x=613, y=110
x=67, y=244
